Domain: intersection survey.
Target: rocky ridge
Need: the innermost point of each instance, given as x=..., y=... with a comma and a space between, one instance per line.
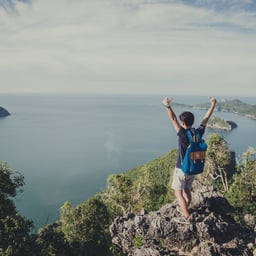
x=211, y=232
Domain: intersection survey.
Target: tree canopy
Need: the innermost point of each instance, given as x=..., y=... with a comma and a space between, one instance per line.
x=15, y=230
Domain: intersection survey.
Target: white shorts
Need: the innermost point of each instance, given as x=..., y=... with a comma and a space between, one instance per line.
x=181, y=181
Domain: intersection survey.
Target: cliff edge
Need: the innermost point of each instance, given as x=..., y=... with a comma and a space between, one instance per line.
x=211, y=232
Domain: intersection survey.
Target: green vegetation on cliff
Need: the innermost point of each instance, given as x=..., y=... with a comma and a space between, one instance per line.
x=144, y=187
x=84, y=229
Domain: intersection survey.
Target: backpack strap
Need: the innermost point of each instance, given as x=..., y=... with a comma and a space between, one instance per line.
x=196, y=135
x=190, y=138
x=189, y=135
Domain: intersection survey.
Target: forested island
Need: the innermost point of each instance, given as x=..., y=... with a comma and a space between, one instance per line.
x=220, y=123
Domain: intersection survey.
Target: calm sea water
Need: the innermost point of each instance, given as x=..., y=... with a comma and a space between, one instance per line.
x=67, y=145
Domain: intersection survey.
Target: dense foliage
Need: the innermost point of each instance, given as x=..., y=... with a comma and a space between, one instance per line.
x=84, y=229
x=242, y=191
x=218, y=159
x=144, y=187
x=15, y=238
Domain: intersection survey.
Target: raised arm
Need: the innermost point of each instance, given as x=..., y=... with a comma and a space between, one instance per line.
x=171, y=114
x=208, y=114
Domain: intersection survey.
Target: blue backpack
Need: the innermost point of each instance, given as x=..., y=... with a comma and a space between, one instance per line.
x=193, y=161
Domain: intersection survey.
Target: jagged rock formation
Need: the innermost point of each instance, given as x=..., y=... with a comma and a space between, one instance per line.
x=3, y=112
x=212, y=231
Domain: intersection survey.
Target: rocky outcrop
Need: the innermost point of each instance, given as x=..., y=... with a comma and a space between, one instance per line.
x=212, y=230
x=3, y=112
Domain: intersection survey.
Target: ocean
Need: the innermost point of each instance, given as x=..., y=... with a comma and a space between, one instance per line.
x=67, y=145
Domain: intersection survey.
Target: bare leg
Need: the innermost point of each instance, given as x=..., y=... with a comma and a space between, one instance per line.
x=187, y=196
x=182, y=202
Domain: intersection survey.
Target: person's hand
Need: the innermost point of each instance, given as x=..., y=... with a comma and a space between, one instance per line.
x=166, y=101
x=213, y=101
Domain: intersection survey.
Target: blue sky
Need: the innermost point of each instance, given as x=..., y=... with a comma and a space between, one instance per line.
x=198, y=47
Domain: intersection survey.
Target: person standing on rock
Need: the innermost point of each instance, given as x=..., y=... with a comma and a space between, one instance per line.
x=182, y=184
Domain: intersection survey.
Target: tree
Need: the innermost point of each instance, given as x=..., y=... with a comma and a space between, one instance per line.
x=218, y=158
x=119, y=193
x=247, y=162
x=10, y=184
x=242, y=191
x=146, y=186
x=151, y=188
x=51, y=241
x=86, y=227
x=15, y=238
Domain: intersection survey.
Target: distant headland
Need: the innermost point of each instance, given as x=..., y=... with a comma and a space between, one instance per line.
x=4, y=112
x=232, y=106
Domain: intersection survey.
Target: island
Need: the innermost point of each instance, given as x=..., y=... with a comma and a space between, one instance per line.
x=4, y=112
x=221, y=124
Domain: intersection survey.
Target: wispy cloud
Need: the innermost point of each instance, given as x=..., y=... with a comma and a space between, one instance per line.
x=127, y=46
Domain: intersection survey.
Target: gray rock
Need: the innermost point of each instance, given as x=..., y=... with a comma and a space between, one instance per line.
x=250, y=220
x=212, y=231
x=146, y=252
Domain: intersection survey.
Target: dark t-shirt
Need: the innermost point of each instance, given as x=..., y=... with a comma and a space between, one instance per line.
x=183, y=142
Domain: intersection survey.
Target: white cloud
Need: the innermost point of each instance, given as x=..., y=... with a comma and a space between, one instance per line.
x=126, y=46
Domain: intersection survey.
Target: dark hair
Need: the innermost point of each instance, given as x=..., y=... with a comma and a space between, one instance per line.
x=187, y=117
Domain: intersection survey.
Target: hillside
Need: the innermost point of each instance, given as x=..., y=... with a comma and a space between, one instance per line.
x=145, y=186
x=233, y=106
